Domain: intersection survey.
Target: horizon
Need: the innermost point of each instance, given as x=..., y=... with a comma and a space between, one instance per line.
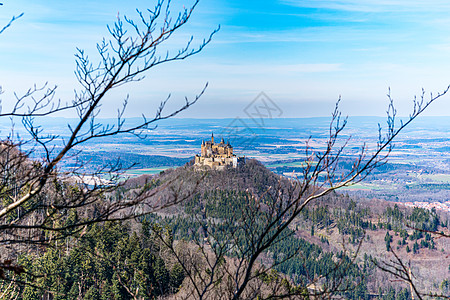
x=313, y=164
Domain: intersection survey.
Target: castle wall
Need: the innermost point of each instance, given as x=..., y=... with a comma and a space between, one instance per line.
x=216, y=156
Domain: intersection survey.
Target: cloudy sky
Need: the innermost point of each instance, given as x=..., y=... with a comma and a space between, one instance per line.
x=302, y=54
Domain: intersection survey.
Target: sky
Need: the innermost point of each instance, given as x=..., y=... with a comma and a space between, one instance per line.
x=303, y=55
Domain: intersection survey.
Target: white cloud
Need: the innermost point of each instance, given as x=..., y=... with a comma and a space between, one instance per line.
x=373, y=5
x=248, y=69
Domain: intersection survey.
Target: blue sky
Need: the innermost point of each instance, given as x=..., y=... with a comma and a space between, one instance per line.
x=302, y=54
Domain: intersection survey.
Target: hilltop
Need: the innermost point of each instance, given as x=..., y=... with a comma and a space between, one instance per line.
x=207, y=221
x=335, y=223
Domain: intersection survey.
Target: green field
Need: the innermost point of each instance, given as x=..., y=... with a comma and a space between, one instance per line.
x=295, y=164
x=146, y=171
x=368, y=187
x=434, y=178
x=437, y=177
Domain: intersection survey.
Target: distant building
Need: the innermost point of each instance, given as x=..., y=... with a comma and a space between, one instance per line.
x=217, y=156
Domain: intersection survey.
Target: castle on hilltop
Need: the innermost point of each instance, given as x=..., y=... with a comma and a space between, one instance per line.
x=217, y=156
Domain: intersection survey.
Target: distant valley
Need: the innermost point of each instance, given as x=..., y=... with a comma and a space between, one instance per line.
x=418, y=168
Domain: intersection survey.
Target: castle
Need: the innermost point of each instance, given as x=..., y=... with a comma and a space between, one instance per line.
x=217, y=156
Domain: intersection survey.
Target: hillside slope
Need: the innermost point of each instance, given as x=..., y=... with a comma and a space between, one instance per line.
x=335, y=223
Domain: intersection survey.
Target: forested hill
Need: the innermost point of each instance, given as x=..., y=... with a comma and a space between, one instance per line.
x=252, y=176
x=331, y=224
x=203, y=242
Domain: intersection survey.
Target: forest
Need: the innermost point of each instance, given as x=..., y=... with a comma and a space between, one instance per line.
x=156, y=255
x=74, y=225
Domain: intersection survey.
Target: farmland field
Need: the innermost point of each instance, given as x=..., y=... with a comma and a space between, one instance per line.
x=420, y=157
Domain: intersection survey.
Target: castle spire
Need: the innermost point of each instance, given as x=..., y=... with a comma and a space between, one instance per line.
x=212, y=137
x=222, y=141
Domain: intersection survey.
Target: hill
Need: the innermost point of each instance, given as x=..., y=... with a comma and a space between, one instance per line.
x=335, y=224
x=208, y=227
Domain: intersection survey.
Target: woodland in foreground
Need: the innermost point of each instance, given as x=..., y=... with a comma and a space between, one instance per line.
x=157, y=255
x=246, y=233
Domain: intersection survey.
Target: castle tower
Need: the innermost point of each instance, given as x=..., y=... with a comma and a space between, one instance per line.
x=203, y=152
x=230, y=149
x=216, y=156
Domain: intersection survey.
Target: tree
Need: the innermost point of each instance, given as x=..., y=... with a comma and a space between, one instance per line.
x=388, y=239
x=232, y=244
x=40, y=204
x=106, y=262
x=401, y=270
x=14, y=18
